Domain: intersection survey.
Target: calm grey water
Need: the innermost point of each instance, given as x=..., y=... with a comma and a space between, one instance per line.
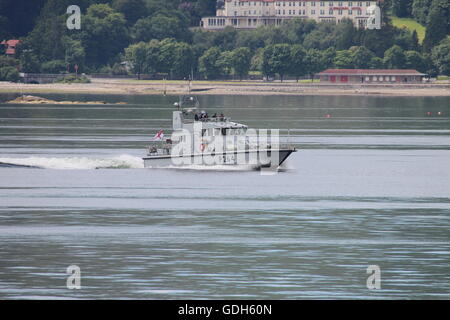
x=369, y=186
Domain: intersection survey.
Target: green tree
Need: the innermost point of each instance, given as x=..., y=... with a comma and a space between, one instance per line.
x=160, y=26
x=438, y=24
x=257, y=60
x=208, y=63
x=21, y=17
x=378, y=41
x=136, y=54
x=54, y=66
x=166, y=56
x=277, y=60
x=46, y=38
x=131, y=9
x=225, y=62
x=343, y=60
x=8, y=62
x=29, y=61
x=415, y=41
x=241, y=61
x=346, y=34
x=420, y=10
x=394, y=58
x=441, y=57
x=104, y=34
x=323, y=36
x=314, y=62
x=376, y=63
x=361, y=57
x=225, y=39
x=295, y=30
x=74, y=54
x=414, y=60
x=297, y=68
x=9, y=73
x=402, y=8
x=152, y=57
x=183, y=63
x=4, y=34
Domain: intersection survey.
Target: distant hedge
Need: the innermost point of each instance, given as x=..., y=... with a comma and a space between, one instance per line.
x=73, y=79
x=9, y=74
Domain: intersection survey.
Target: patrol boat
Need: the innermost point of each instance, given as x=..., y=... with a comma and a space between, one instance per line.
x=202, y=140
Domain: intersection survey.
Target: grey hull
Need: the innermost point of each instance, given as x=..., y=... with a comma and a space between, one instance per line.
x=242, y=159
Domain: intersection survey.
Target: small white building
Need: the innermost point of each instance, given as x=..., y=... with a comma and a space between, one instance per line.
x=245, y=14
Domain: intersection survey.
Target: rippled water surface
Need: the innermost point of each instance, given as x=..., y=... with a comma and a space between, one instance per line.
x=370, y=185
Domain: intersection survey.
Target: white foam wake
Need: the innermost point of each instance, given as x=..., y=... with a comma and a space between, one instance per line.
x=78, y=163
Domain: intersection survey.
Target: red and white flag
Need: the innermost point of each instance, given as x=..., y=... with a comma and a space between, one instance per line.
x=159, y=135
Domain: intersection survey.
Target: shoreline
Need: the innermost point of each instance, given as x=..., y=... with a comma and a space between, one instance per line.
x=145, y=87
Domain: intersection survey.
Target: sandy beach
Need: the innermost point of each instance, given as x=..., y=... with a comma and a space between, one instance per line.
x=125, y=86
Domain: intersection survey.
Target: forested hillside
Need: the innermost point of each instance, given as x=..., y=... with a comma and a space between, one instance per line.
x=157, y=36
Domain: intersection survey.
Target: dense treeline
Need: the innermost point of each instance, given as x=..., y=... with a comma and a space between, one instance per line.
x=156, y=36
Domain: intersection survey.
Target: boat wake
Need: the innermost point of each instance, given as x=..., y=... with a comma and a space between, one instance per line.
x=74, y=163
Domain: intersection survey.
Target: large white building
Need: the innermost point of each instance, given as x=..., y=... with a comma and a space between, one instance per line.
x=244, y=14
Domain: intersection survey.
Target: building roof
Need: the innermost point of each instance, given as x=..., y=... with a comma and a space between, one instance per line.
x=10, y=46
x=375, y=72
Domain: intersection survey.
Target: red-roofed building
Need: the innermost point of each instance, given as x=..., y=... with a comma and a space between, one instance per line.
x=10, y=46
x=343, y=76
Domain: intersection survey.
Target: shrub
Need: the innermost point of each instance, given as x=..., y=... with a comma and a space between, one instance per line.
x=54, y=66
x=73, y=79
x=9, y=74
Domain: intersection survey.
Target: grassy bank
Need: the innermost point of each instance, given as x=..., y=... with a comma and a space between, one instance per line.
x=410, y=24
